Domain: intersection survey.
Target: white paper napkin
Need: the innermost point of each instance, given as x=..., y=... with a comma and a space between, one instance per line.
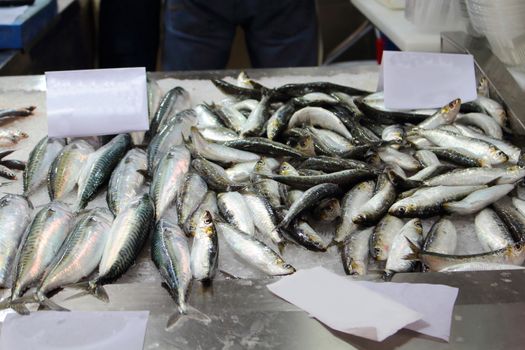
x=367, y=309
x=76, y=330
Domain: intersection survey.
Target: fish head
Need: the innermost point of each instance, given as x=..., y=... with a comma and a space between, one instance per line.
x=497, y=155
x=357, y=268
x=206, y=224
x=286, y=168
x=306, y=145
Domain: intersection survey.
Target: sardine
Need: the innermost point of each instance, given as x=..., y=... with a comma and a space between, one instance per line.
x=264, y=146
x=328, y=210
x=306, y=236
x=241, y=172
x=489, y=126
x=442, y=237
x=411, y=232
x=206, y=118
x=478, y=200
x=10, y=137
x=235, y=211
x=204, y=256
x=480, y=266
x=219, y=134
x=214, y=175
x=258, y=116
x=320, y=117
x=190, y=196
x=392, y=156
x=491, y=231
x=446, y=115
x=264, y=217
x=377, y=206
x=175, y=100
x=383, y=236
x=478, y=176
x=355, y=252
x=209, y=203
x=511, y=217
x=351, y=204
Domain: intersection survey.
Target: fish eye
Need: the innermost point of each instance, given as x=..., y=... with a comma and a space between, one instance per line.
x=401, y=210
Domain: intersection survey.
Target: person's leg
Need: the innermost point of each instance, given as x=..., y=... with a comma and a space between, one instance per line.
x=281, y=33
x=198, y=34
x=129, y=33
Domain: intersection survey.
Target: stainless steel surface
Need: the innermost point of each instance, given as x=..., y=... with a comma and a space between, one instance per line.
x=243, y=314
x=503, y=86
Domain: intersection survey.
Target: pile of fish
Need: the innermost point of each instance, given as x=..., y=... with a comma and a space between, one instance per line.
x=259, y=171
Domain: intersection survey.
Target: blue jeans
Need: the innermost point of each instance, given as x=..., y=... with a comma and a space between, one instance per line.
x=198, y=34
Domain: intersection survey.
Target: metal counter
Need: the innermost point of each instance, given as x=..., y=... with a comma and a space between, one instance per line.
x=244, y=314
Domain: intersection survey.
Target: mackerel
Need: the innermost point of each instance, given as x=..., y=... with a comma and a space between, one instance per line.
x=190, y=196
x=39, y=161
x=235, y=211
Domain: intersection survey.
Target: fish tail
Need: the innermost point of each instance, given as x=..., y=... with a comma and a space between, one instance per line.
x=187, y=312
x=416, y=251
x=90, y=288
x=281, y=245
x=387, y=275
x=51, y=305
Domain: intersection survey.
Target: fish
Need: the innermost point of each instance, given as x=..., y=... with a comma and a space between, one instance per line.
x=246, y=105
x=38, y=163
x=491, y=231
x=267, y=188
x=14, y=164
x=427, y=158
x=302, y=233
x=355, y=252
x=333, y=164
x=442, y=237
x=241, y=172
x=310, y=197
x=7, y=173
x=204, y=255
x=480, y=266
x=229, y=116
x=511, y=217
x=301, y=89
x=374, y=109
x=171, y=255
x=519, y=205
x=65, y=168
x=489, y=126
x=488, y=106
x=383, y=235
x=15, y=216
x=329, y=142
x=175, y=100
x=478, y=200
x=457, y=157
x=411, y=232
x=190, y=195
x=391, y=156
x=127, y=235
x=477, y=176
x=254, y=252
x=264, y=146
x=513, y=255
x=168, y=178
x=320, y=117
x=40, y=244
x=214, y=175
x=446, y=115
x=127, y=180
x=377, y=206
x=6, y=113
x=351, y=203
x=80, y=254
x=236, y=91
x=264, y=218
x=428, y=201
x=328, y=210
x=206, y=117
x=10, y=137
x=98, y=168
x=258, y=116
x=209, y=203
x=234, y=210
x=278, y=121
x=219, y=134
x=393, y=133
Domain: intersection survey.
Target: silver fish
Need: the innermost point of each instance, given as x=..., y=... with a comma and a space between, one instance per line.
x=426, y=158
x=320, y=117
x=442, y=237
x=264, y=218
x=394, y=133
x=175, y=100
x=253, y=251
x=396, y=261
x=491, y=231
x=383, y=235
x=214, y=175
x=478, y=176
x=234, y=209
x=10, y=137
x=306, y=236
x=190, y=196
x=241, y=172
x=374, y=209
x=45, y=236
x=39, y=161
x=352, y=202
x=209, y=203
x=489, y=126
x=258, y=116
x=204, y=256
x=478, y=200
x=480, y=266
x=219, y=134
x=246, y=105
x=267, y=188
x=392, y=156
x=15, y=215
x=206, y=118
x=168, y=178
x=127, y=181
x=355, y=252
x=446, y=115
x=494, y=109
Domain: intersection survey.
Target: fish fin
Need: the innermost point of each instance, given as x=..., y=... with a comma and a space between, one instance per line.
x=51, y=305
x=494, y=182
x=5, y=303
x=20, y=309
x=387, y=275
x=281, y=245
x=91, y=288
x=229, y=275
x=416, y=251
x=338, y=244
x=188, y=312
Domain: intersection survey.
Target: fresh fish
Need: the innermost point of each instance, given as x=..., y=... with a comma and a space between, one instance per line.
x=10, y=137
x=204, y=256
x=427, y=202
x=230, y=117
x=519, y=205
x=14, y=164
x=246, y=105
x=442, y=237
x=489, y=126
x=513, y=255
x=244, y=81
x=375, y=110
x=18, y=112
x=478, y=200
x=7, y=173
x=39, y=246
x=351, y=204
x=217, y=152
x=206, y=118
x=480, y=266
x=377, y=206
x=214, y=175
x=343, y=178
x=355, y=252
x=478, y=176
x=127, y=180
x=328, y=209
x=317, y=97
x=392, y=156
x=446, y=115
x=267, y=188
x=412, y=231
x=348, y=101
x=168, y=178
x=457, y=157
x=65, y=169
x=393, y=133
x=430, y=172
x=329, y=142
x=491, y=231
x=236, y=91
x=190, y=196
x=306, y=236
x=219, y=134
x=476, y=148
x=264, y=217
x=287, y=194
x=175, y=100
x=172, y=257
x=317, y=116
x=99, y=166
x=427, y=158
x=259, y=115
x=261, y=145
x=80, y=254
x=511, y=217
x=279, y=120
x=309, y=198
x=15, y=215
x=301, y=89
x=333, y=164
x=483, y=87
x=494, y=109
x=209, y=203
x=241, y=172
x=253, y=251
x=39, y=162
x=383, y=236
x=234, y=210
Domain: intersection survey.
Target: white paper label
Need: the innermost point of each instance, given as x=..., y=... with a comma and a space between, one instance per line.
x=418, y=80
x=96, y=102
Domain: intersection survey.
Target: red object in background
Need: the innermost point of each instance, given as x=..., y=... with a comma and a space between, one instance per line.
x=380, y=44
